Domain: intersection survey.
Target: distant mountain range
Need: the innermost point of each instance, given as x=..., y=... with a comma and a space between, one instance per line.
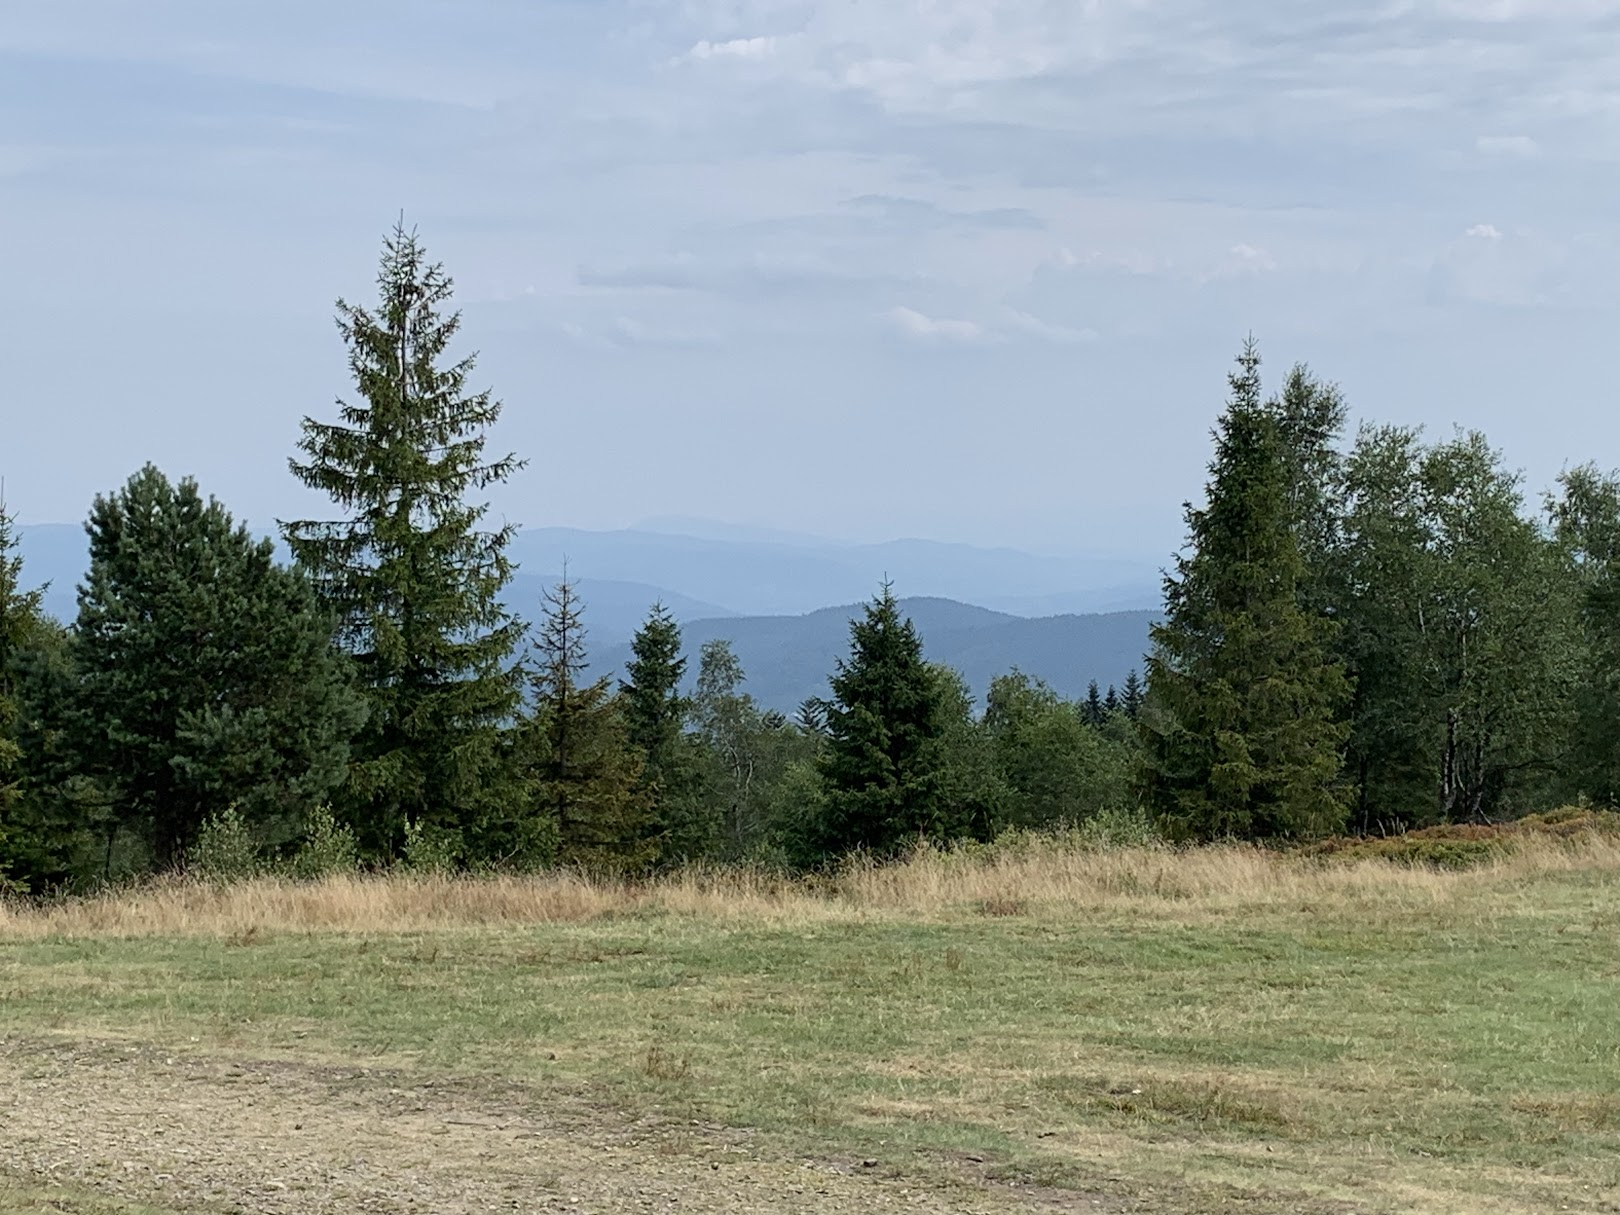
x=788, y=658
x=983, y=611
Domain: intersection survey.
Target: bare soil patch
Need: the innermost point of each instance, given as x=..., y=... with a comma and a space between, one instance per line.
x=196, y=1132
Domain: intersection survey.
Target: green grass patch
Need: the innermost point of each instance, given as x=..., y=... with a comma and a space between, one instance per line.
x=1363, y=1051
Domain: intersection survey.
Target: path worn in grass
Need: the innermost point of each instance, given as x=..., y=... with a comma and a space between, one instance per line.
x=190, y=1131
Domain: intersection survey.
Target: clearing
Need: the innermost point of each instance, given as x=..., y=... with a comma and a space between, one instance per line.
x=1030, y=1028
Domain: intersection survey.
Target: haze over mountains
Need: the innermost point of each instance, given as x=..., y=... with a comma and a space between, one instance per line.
x=784, y=600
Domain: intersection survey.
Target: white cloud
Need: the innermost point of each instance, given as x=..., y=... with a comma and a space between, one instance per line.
x=1062, y=335
x=927, y=328
x=1507, y=145
x=1248, y=258
x=735, y=48
x=1484, y=232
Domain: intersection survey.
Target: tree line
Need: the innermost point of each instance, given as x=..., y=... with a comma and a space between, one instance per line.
x=1370, y=635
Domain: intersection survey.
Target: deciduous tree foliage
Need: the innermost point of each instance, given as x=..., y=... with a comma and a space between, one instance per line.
x=1586, y=516
x=414, y=580
x=205, y=674
x=1242, y=725
x=1058, y=768
x=1460, y=627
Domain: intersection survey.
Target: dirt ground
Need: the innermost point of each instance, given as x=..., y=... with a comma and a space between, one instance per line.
x=196, y=1132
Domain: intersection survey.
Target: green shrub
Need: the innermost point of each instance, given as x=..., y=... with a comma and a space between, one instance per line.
x=327, y=848
x=226, y=849
x=1120, y=827
x=430, y=849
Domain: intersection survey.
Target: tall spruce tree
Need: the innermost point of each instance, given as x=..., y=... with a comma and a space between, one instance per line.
x=685, y=819
x=206, y=673
x=884, y=760
x=585, y=773
x=414, y=580
x=1241, y=724
x=1131, y=695
x=1092, y=708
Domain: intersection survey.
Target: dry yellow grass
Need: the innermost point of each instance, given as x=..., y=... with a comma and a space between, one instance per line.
x=1026, y=875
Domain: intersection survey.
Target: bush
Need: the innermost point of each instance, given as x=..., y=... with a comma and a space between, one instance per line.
x=1120, y=827
x=430, y=849
x=327, y=848
x=1466, y=845
x=226, y=849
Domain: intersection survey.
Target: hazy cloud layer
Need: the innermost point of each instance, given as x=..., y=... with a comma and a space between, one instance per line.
x=950, y=268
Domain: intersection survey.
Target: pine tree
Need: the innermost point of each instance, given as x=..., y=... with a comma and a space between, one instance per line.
x=1092, y=710
x=414, y=581
x=1110, y=703
x=654, y=709
x=884, y=759
x=655, y=715
x=1241, y=723
x=19, y=620
x=207, y=674
x=1130, y=698
x=586, y=775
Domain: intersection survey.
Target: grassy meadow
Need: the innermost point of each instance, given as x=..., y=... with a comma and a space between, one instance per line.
x=1035, y=1026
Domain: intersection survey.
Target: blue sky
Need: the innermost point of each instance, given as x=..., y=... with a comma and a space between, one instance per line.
x=864, y=268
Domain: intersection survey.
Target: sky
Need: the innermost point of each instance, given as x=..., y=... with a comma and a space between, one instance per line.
x=968, y=271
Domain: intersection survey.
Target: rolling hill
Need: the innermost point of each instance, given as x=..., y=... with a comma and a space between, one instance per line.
x=788, y=658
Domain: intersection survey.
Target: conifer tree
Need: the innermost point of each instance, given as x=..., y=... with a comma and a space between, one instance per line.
x=415, y=582
x=654, y=709
x=586, y=775
x=1110, y=703
x=1241, y=724
x=883, y=762
x=19, y=619
x=206, y=673
x=1130, y=697
x=1092, y=710
x=655, y=715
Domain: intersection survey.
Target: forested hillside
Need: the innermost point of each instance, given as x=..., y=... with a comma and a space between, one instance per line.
x=1363, y=632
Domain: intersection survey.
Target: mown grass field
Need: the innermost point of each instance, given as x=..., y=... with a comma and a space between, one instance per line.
x=1039, y=1028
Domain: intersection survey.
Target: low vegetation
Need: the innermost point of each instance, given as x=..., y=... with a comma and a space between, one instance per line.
x=1039, y=1021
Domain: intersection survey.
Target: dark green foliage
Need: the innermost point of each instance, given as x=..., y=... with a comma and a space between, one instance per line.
x=1309, y=417
x=1241, y=724
x=414, y=581
x=684, y=820
x=586, y=788
x=204, y=674
x=1057, y=768
x=1586, y=516
x=1130, y=698
x=1093, y=711
x=973, y=794
x=654, y=709
x=1460, y=626
x=63, y=833
x=885, y=755
x=19, y=624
